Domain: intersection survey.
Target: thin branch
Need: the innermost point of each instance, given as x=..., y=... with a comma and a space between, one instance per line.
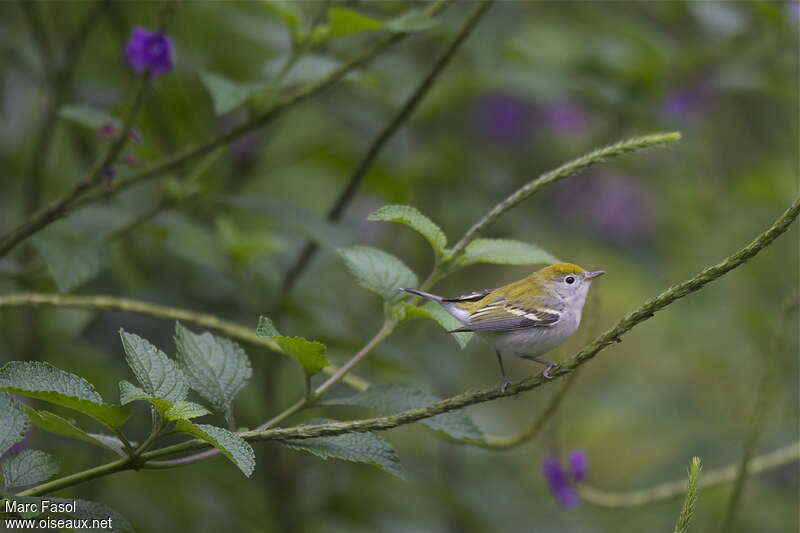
x=81, y=195
x=673, y=489
x=383, y=138
x=565, y=170
x=609, y=338
x=232, y=330
x=628, y=322
x=690, y=502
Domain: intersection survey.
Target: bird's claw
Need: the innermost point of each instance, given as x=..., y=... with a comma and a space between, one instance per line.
x=504, y=386
x=546, y=372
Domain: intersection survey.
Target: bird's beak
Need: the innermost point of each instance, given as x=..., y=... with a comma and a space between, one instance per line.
x=594, y=274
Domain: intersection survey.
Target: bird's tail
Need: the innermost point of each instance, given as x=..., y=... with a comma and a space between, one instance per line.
x=424, y=294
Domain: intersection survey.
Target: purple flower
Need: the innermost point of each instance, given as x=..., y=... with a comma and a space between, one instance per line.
x=794, y=10
x=503, y=118
x=566, y=118
x=557, y=479
x=616, y=207
x=147, y=49
x=579, y=464
x=687, y=102
x=107, y=131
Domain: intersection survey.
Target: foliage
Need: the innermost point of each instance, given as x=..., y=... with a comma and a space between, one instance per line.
x=211, y=166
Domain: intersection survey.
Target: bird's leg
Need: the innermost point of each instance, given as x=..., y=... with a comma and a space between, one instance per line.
x=548, y=364
x=504, y=385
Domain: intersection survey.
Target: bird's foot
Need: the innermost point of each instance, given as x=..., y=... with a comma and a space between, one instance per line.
x=504, y=386
x=546, y=372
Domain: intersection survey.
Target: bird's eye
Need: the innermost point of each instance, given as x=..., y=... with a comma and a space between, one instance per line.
x=569, y=280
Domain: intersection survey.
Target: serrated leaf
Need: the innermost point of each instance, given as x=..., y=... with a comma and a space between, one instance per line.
x=346, y=22
x=159, y=375
x=52, y=423
x=411, y=21
x=230, y=444
x=72, y=258
x=43, y=381
x=310, y=354
x=378, y=271
x=168, y=410
x=88, y=116
x=435, y=312
x=217, y=368
x=27, y=467
x=356, y=447
x=226, y=94
x=394, y=399
x=410, y=216
x=504, y=252
x=184, y=410
x=84, y=509
x=14, y=425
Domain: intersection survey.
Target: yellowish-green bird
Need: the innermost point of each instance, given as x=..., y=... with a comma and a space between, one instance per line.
x=527, y=317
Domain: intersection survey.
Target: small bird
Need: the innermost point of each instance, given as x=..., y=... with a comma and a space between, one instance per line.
x=527, y=317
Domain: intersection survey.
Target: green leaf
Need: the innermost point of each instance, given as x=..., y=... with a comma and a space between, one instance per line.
x=27, y=467
x=394, y=399
x=159, y=375
x=310, y=354
x=230, y=444
x=88, y=116
x=168, y=410
x=52, y=423
x=378, y=271
x=217, y=368
x=346, y=22
x=289, y=12
x=183, y=410
x=410, y=216
x=227, y=95
x=411, y=21
x=43, y=381
x=503, y=252
x=14, y=425
x=356, y=447
x=435, y=312
x=72, y=257
x=112, y=443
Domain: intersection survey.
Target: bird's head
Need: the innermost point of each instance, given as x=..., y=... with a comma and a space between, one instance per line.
x=569, y=281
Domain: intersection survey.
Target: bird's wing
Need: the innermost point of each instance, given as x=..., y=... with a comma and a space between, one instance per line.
x=471, y=297
x=508, y=315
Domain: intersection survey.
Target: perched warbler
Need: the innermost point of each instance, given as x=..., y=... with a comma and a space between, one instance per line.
x=526, y=318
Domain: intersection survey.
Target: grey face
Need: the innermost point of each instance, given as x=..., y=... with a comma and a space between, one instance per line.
x=574, y=287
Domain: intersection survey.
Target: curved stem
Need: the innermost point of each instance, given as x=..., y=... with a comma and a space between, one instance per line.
x=235, y=331
x=673, y=489
x=628, y=322
x=383, y=138
x=565, y=170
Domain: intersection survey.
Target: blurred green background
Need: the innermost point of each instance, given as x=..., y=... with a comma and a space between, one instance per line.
x=536, y=84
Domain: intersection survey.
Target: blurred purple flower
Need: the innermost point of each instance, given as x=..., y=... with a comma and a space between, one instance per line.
x=579, y=464
x=687, y=102
x=616, y=207
x=566, y=118
x=147, y=49
x=107, y=131
x=503, y=118
x=557, y=479
x=794, y=10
